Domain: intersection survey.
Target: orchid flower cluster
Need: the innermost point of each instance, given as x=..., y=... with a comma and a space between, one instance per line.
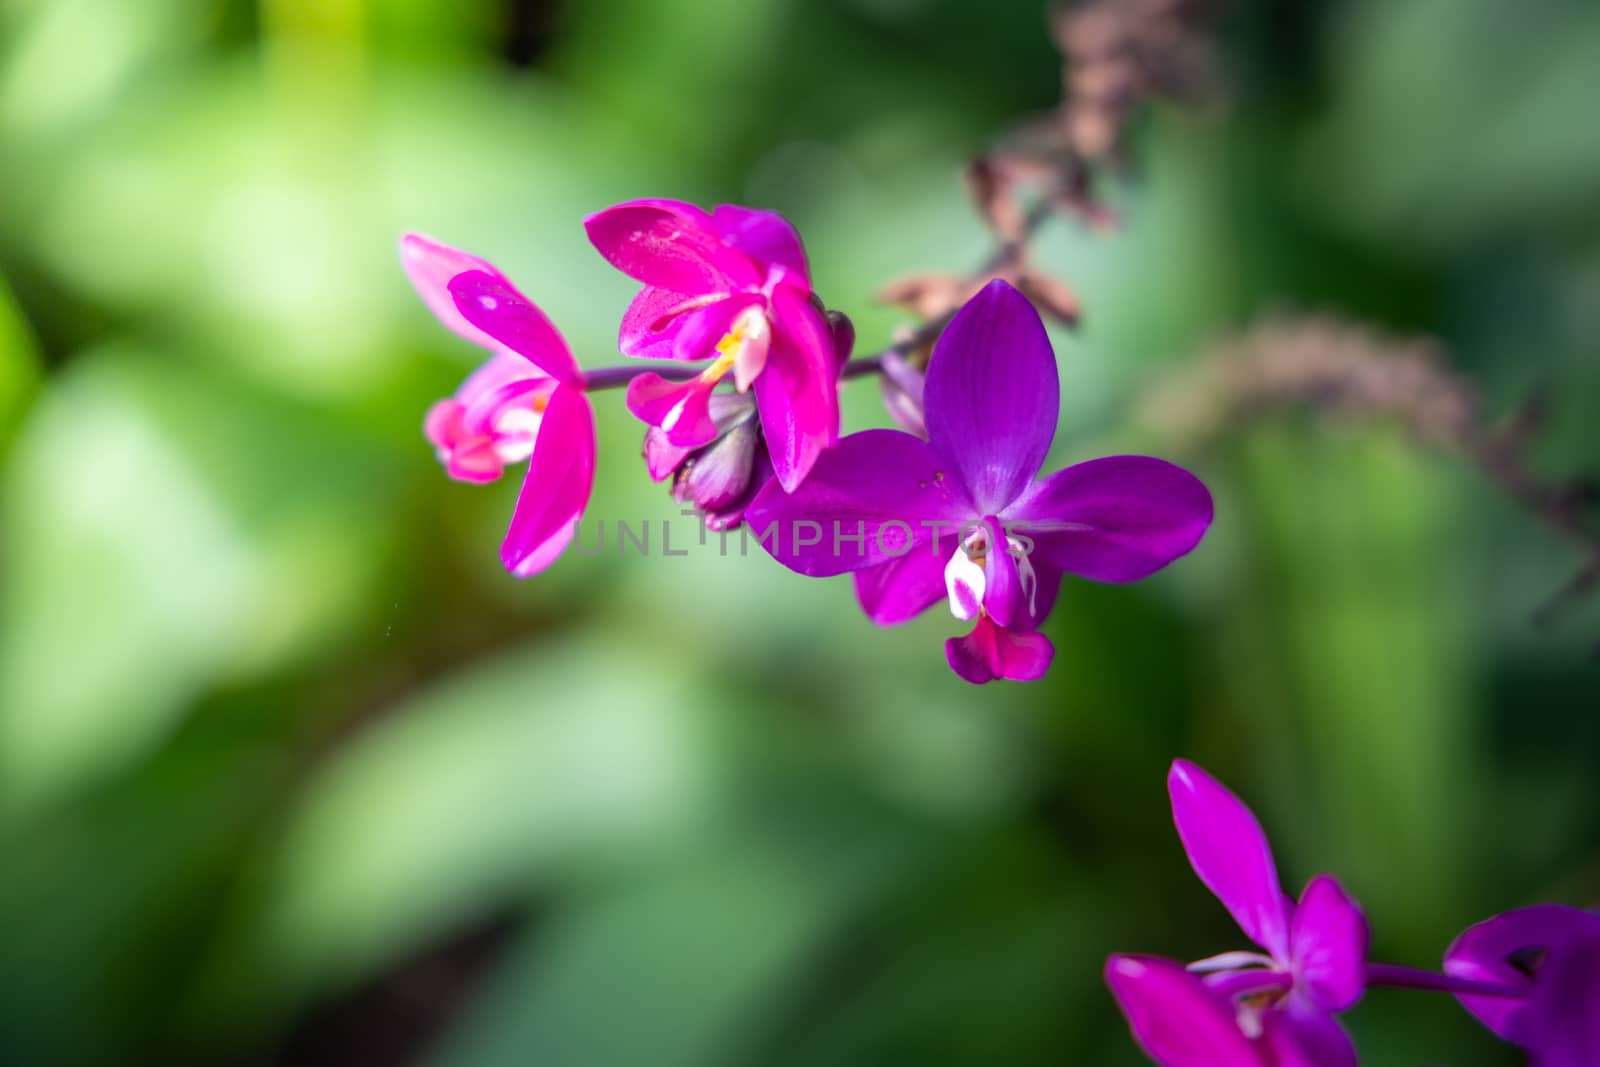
x=739, y=394
x=1532, y=975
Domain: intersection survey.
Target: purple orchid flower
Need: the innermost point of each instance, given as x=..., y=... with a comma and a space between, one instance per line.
x=526, y=402
x=882, y=499
x=1548, y=957
x=1180, y=1021
x=1284, y=1000
x=731, y=285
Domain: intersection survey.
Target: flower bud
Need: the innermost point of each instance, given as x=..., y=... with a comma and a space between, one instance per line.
x=844, y=336
x=720, y=478
x=901, y=385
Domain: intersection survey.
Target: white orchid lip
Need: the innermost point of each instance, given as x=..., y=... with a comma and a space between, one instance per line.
x=964, y=580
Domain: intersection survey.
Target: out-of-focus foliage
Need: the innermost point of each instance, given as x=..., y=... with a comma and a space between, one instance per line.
x=291, y=772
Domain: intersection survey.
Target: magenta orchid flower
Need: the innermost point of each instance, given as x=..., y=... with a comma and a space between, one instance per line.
x=883, y=498
x=1180, y=1021
x=1313, y=959
x=1548, y=958
x=526, y=402
x=730, y=285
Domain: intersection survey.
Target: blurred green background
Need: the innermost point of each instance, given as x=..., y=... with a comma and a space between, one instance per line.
x=292, y=773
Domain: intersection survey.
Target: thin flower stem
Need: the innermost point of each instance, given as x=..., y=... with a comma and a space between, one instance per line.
x=1007, y=255
x=616, y=377
x=1396, y=977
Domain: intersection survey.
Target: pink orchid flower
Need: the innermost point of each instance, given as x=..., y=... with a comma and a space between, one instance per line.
x=526, y=402
x=730, y=285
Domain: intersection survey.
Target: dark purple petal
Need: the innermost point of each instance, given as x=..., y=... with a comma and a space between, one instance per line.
x=1328, y=943
x=488, y=302
x=991, y=653
x=1485, y=953
x=992, y=395
x=880, y=484
x=1116, y=519
x=556, y=489
x=766, y=237
x=681, y=409
x=669, y=244
x=1230, y=854
x=901, y=589
x=1561, y=1025
x=1175, y=1018
x=798, y=392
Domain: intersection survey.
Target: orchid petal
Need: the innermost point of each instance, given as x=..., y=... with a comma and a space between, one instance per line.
x=992, y=395
x=491, y=304
x=720, y=473
x=1116, y=519
x=903, y=588
x=797, y=392
x=430, y=266
x=766, y=237
x=504, y=378
x=1303, y=1033
x=556, y=489
x=661, y=457
x=881, y=485
x=669, y=244
x=726, y=518
x=705, y=327
x=652, y=322
x=1561, y=1025
x=991, y=652
x=1004, y=597
x=681, y=409
x=1175, y=1018
x=1484, y=953
x=1230, y=855
x=1328, y=943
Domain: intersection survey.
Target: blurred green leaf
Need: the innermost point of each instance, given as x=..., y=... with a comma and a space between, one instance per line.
x=523, y=770
x=156, y=547
x=19, y=366
x=698, y=958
